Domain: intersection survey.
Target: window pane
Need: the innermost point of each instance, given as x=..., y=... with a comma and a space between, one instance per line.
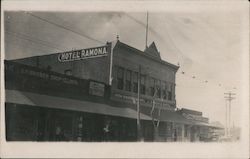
x=120, y=72
x=135, y=77
x=169, y=91
x=158, y=88
x=135, y=82
x=143, y=87
x=164, y=92
x=128, y=81
x=120, y=77
x=152, y=86
x=128, y=75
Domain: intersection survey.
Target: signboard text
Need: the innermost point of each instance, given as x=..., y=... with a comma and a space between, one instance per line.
x=83, y=54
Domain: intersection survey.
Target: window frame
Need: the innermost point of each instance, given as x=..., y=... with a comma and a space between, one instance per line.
x=120, y=80
x=128, y=81
x=135, y=82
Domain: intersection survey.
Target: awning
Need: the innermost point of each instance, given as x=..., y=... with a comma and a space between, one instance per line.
x=172, y=116
x=204, y=124
x=201, y=123
x=167, y=116
x=33, y=99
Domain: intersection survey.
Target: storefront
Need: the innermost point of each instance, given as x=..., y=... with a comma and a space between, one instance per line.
x=35, y=117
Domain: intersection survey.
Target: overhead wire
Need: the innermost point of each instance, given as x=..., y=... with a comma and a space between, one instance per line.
x=30, y=46
x=65, y=28
x=34, y=39
x=90, y=38
x=31, y=40
x=193, y=77
x=205, y=81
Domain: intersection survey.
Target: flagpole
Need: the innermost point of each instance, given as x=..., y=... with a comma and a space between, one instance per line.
x=147, y=33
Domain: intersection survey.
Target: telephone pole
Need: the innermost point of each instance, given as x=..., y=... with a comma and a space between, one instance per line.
x=228, y=97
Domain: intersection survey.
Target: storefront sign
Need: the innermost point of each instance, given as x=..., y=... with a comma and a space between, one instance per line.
x=195, y=117
x=143, y=101
x=47, y=75
x=83, y=54
x=96, y=88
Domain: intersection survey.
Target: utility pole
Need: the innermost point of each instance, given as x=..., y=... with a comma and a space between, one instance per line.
x=226, y=123
x=138, y=105
x=229, y=97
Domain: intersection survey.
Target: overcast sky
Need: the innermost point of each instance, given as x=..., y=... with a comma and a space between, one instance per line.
x=206, y=43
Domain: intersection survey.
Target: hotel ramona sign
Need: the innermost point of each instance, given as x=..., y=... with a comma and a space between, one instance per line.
x=84, y=53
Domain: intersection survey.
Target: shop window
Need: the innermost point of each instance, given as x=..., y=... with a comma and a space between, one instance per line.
x=164, y=91
x=120, y=78
x=135, y=82
x=128, y=81
x=143, y=86
x=152, y=86
x=169, y=91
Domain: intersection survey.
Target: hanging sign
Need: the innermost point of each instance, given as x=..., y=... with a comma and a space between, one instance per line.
x=84, y=54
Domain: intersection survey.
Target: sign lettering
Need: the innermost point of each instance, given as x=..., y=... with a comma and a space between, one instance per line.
x=83, y=54
x=143, y=101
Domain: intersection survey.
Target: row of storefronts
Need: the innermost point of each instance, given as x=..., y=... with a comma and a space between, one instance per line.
x=62, y=98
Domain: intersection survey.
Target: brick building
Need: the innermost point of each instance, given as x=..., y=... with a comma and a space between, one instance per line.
x=92, y=95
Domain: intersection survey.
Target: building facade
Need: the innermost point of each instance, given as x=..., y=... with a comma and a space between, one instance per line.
x=92, y=95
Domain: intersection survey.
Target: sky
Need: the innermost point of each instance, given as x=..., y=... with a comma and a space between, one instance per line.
x=207, y=44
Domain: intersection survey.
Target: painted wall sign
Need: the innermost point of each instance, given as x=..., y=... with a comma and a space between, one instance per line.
x=84, y=54
x=143, y=101
x=96, y=88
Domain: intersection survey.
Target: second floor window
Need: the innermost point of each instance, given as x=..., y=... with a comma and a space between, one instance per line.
x=120, y=77
x=128, y=81
x=135, y=82
x=164, y=91
x=169, y=89
x=143, y=84
x=158, y=88
x=152, y=87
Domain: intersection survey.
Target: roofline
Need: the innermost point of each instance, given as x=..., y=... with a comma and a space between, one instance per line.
x=141, y=53
x=55, y=53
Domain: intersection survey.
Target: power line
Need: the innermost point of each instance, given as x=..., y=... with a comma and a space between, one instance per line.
x=65, y=28
x=205, y=81
x=172, y=41
x=28, y=46
x=31, y=40
x=32, y=37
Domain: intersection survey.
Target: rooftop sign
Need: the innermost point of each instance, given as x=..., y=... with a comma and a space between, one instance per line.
x=84, y=54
